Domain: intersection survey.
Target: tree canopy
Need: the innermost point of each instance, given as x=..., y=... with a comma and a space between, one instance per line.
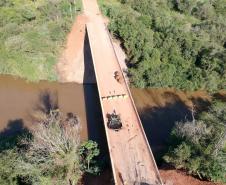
x=172, y=43
x=199, y=146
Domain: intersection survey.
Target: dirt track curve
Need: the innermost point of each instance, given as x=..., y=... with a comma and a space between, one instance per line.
x=131, y=157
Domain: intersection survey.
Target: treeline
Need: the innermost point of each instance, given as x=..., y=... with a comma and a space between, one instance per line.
x=31, y=35
x=172, y=43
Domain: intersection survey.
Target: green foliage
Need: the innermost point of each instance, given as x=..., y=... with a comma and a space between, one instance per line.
x=200, y=144
x=8, y=163
x=181, y=155
x=172, y=43
x=51, y=155
x=32, y=33
x=13, y=168
x=53, y=148
x=88, y=152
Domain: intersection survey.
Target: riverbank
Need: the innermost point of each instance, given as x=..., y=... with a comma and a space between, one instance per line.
x=160, y=110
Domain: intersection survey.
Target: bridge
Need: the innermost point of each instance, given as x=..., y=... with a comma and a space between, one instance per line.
x=131, y=156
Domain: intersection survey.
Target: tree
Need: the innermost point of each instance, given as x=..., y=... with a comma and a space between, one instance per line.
x=199, y=146
x=51, y=154
x=185, y=6
x=54, y=147
x=88, y=151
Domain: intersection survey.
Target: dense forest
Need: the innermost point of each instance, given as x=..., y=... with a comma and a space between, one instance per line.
x=32, y=34
x=172, y=43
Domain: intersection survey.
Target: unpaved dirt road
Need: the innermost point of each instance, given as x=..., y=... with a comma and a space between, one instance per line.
x=74, y=62
x=131, y=157
x=72, y=65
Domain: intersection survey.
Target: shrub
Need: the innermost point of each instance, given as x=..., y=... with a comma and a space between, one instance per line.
x=51, y=154
x=199, y=146
x=88, y=152
x=53, y=148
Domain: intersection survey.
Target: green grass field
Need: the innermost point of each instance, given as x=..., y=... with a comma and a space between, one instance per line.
x=32, y=34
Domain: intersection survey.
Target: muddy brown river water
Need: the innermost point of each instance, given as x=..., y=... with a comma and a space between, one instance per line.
x=20, y=99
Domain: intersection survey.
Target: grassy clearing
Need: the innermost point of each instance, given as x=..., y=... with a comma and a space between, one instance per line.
x=32, y=34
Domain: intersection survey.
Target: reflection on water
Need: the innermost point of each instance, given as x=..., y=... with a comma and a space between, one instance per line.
x=19, y=99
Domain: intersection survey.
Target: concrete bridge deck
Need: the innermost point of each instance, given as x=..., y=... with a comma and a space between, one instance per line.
x=131, y=157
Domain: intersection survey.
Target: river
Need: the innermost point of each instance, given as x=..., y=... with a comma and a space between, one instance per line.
x=20, y=99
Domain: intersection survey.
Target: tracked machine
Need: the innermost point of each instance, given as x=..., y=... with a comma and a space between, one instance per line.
x=114, y=121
